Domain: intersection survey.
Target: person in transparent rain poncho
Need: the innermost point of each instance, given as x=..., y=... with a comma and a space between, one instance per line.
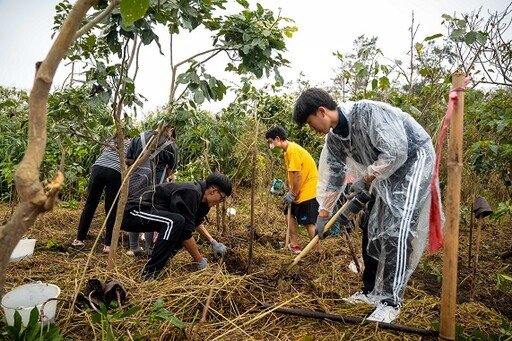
x=395, y=158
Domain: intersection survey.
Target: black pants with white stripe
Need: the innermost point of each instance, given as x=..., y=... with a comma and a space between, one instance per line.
x=395, y=233
x=171, y=232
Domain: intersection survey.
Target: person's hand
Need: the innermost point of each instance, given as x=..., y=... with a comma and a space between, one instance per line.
x=357, y=187
x=320, y=225
x=219, y=249
x=289, y=198
x=202, y=264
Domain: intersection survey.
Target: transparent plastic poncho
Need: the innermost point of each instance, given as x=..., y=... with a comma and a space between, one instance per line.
x=389, y=144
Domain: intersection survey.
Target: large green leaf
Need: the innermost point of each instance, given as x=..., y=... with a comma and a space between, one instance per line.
x=470, y=37
x=133, y=10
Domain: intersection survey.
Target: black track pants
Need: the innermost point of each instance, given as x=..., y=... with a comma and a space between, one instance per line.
x=170, y=227
x=101, y=178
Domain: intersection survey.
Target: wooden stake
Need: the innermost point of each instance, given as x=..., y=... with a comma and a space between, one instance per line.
x=253, y=193
x=477, y=253
x=470, y=238
x=288, y=217
x=451, y=232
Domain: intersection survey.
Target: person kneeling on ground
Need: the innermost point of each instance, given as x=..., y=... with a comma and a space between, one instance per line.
x=175, y=210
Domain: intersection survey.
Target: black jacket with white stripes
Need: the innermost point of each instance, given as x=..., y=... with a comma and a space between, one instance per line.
x=184, y=198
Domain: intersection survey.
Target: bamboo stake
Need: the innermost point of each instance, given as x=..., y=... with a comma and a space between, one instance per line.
x=223, y=218
x=477, y=253
x=451, y=235
x=253, y=192
x=288, y=217
x=470, y=239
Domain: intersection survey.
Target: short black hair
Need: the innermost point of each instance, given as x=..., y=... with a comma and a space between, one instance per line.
x=276, y=131
x=309, y=101
x=220, y=181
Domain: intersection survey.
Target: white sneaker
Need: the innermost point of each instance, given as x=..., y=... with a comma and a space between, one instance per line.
x=361, y=297
x=384, y=313
x=137, y=252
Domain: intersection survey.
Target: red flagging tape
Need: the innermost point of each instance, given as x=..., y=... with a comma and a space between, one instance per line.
x=435, y=232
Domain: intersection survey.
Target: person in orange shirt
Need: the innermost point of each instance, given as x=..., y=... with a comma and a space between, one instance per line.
x=302, y=179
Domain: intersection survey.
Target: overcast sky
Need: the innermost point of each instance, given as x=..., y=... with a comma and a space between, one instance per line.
x=325, y=26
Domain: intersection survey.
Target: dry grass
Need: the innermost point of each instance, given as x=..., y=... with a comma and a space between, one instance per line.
x=235, y=312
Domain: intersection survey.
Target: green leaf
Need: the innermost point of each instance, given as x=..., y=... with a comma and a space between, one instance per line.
x=375, y=82
x=133, y=10
x=199, y=97
x=432, y=37
x=384, y=83
x=462, y=23
x=182, y=115
x=457, y=33
x=481, y=37
x=470, y=38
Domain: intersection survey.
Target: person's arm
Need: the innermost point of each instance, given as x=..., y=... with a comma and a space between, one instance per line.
x=191, y=247
x=388, y=135
x=331, y=175
x=295, y=185
x=204, y=233
x=131, y=151
x=218, y=249
x=185, y=202
x=169, y=174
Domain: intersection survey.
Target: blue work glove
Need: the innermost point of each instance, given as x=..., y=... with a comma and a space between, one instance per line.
x=289, y=198
x=219, y=249
x=202, y=264
x=319, y=227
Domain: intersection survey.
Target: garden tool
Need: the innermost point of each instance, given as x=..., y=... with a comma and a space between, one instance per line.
x=288, y=217
x=346, y=213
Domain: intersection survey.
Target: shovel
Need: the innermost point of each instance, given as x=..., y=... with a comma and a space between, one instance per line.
x=287, y=267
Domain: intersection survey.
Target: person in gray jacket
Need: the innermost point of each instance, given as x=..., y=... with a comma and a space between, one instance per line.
x=105, y=177
x=394, y=159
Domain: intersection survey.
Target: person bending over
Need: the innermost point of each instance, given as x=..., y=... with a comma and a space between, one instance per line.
x=395, y=157
x=175, y=210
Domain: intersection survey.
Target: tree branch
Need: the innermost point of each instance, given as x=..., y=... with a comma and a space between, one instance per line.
x=113, y=4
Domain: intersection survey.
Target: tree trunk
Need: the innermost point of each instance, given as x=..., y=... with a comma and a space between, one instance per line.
x=34, y=199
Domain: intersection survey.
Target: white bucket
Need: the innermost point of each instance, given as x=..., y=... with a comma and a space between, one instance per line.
x=23, y=250
x=25, y=297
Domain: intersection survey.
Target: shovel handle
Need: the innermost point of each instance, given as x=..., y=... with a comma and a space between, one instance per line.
x=288, y=217
x=315, y=239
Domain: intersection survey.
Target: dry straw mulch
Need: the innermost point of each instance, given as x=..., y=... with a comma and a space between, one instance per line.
x=235, y=312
